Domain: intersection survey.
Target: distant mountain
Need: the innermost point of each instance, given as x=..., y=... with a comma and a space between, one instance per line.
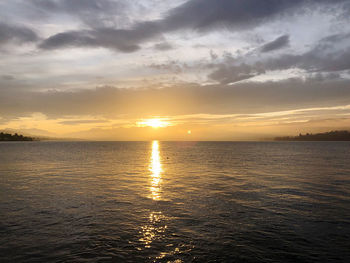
x=14, y=137
x=326, y=136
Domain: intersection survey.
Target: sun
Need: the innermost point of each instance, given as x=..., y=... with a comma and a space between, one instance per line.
x=154, y=123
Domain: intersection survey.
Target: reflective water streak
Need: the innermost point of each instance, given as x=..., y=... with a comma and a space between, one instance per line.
x=155, y=227
x=156, y=170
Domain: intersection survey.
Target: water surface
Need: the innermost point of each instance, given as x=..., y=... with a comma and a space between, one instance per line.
x=175, y=202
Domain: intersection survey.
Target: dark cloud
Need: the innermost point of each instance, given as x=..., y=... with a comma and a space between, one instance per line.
x=171, y=66
x=203, y=14
x=91, y=12
x=74, y=6
x=213, y=55
x=7, y=77
x=163, y=46
x=196, y=14
x=276, y=44
x=312, y=62
x=117, y=39
x=19, y=34
x=330, y=54
x=229, y=74
x=324, y=76
x=237, y=14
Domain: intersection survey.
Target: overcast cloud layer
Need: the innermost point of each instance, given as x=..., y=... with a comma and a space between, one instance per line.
x=109, y=61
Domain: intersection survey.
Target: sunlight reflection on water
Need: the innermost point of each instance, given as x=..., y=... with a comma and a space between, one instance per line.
x=155, y=228
x=156, y=170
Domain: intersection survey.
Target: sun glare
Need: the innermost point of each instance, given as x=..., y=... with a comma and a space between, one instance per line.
x=154, y=123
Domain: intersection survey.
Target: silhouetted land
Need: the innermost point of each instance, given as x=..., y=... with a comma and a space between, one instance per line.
x=326, y=136
x=15, y=137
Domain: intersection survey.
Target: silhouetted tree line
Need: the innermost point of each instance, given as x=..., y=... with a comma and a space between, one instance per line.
x=326, y=136
x=15, y=137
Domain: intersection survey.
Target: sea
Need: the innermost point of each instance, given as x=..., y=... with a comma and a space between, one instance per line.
x=174, y=201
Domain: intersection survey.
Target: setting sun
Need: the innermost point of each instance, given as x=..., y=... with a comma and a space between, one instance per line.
x=154, y=123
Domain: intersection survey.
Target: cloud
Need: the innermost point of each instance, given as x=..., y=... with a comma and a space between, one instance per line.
x=330, y=54
x=230, y=73
x=16, y=33
x=172, y=66
x=117, y=39
x=276, y=44
x=7, y=77
x=77, y=122
x=242, y=98
x=201, y=15
x=74, y=6
x=163, y=46
x=93, y=13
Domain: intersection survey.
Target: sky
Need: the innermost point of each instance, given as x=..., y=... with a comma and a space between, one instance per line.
x=174, y=69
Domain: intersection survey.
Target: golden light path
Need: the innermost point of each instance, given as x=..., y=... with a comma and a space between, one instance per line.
x=154, y=229
x=156, y=170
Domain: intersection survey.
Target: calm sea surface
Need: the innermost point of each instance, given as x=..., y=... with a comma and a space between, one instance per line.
x=175, y=202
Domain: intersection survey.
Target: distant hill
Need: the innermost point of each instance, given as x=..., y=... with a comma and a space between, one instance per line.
x=326, y=136
x=14, y=137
